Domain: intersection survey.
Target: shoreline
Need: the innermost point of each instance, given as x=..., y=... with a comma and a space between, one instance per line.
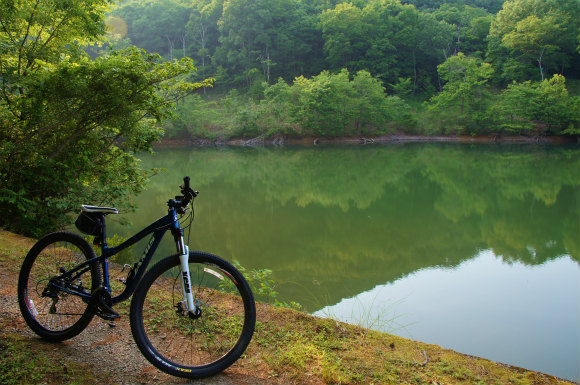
x=312, y=141
x=289, y=347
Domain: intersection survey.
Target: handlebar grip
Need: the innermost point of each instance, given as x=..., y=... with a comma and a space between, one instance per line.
x=187, y=191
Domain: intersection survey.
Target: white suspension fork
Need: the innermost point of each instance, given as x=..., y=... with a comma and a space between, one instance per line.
x=186, y=279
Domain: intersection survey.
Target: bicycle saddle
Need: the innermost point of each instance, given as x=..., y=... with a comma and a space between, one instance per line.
x=99, y=210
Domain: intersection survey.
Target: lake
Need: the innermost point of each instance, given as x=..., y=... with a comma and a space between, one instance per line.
x=475, y=248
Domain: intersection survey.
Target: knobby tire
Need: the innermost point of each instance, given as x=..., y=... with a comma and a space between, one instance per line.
x=201, y=344
x=54, y=314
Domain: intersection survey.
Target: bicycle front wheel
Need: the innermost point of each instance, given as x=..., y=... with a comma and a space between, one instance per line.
x=46, y=301
x=202, y=343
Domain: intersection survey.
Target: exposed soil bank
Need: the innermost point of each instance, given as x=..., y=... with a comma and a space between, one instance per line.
x=380, y=139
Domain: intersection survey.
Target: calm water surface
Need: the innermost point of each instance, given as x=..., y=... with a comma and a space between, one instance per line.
x=472, y=247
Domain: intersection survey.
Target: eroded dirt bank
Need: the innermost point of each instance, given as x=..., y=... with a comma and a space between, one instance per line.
x=365, y=140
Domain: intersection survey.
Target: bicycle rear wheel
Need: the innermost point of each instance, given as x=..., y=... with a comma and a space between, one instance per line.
x=193, y=345
x=54, y=314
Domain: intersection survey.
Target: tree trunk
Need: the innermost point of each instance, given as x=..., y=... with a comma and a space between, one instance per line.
x=414, y=73
x=267, y=66
x=170, y=47
x=183, y=43
x=540, y=63
x=203, y=39
x=458, y=47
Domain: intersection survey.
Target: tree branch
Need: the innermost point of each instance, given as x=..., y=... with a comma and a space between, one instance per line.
x=26, y=37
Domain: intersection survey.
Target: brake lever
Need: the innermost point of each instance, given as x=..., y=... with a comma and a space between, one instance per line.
x=192, y=193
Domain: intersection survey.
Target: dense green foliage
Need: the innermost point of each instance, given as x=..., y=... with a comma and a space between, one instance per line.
x=69, y=124
x=533, y=39
x=326, y=104
x=464, y=95
x=522, y=104
x=243, y=40
x=72, y=122
x=272, y=49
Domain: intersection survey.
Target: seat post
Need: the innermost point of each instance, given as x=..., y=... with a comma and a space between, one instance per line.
x=105, y=262
x=103, y=232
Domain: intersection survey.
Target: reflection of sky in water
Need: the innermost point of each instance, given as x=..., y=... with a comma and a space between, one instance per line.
x=505, y=310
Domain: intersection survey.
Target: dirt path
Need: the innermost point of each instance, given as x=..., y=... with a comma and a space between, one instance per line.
x=109, y=352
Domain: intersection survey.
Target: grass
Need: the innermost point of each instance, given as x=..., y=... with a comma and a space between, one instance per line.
x=25, y=361
x=377, y=315
x=288, y=347
x=304, y=349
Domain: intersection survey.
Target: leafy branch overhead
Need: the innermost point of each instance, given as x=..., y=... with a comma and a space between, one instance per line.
x=71, y=124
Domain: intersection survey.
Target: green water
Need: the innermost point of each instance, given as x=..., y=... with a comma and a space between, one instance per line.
x=371, y=225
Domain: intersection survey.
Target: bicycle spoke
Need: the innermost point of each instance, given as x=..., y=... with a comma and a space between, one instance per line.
x=43, y=289
x=210, y=337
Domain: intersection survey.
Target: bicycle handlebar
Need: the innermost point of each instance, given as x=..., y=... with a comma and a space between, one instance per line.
x=181, y=202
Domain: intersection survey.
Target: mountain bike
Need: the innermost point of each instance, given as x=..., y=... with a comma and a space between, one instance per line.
x=192, y=314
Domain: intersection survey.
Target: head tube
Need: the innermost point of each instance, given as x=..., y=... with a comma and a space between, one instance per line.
x=173, y=214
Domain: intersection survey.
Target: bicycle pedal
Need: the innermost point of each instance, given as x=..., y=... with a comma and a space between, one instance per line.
x=105, y=310
x=109, y=316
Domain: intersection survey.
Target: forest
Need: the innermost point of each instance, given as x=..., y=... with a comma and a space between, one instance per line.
x=364, y=67
x=86, y=85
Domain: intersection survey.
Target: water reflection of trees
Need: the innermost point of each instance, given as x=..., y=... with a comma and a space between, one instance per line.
x=351, y=218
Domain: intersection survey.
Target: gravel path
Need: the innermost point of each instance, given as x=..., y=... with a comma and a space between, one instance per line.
x=104, y=349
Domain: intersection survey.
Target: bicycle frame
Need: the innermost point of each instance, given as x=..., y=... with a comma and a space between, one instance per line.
x=158, y=229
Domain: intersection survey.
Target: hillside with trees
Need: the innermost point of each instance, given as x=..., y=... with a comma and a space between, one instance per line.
x=295, y=67
x=85, y=85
